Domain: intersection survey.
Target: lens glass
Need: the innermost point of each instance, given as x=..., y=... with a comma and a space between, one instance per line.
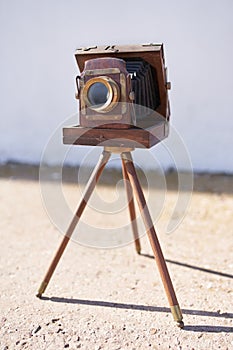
x=98, y=94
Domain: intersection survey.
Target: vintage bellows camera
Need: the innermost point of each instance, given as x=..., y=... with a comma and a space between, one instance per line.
x=123, y=99
x=121, y=87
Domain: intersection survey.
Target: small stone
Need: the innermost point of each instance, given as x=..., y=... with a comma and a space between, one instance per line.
x=66, y=346
x=37, y=329
x=55, y=320
x=3, y=320
x=153, y=331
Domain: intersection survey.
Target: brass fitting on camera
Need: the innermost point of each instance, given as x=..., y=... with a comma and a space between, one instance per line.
x=110, y=94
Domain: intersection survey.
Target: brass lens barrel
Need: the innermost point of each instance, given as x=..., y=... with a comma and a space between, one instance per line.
x=101, y=94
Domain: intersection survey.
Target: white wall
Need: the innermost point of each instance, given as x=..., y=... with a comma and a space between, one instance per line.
x=37, y=42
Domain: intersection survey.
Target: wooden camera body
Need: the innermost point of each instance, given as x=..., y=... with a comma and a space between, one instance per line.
x=123, y=97
x=121, y=86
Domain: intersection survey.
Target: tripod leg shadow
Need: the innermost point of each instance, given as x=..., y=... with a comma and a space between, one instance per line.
x=148, y=308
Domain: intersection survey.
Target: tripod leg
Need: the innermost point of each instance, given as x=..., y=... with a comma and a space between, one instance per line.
x=87, y=193
x=167, y=283
x=129, y=192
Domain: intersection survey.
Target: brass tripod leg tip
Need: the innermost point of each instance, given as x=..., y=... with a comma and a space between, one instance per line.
x=180, y=324
x=177, y=315
x=138, y=250
x=41, y=289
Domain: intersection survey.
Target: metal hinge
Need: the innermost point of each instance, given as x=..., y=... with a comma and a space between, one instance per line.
x=150, y=44
x=77, y=94
x=86, y=48
x=111, y=48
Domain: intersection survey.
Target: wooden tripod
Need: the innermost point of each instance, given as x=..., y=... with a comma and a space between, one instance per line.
x=132, y=187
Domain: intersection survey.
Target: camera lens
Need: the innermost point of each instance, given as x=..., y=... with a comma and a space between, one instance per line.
x=98, y=94
x=101, y=94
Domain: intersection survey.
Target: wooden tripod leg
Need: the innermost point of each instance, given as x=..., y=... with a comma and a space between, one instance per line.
x=163, y=270
x=87, y=193
x=129, y=192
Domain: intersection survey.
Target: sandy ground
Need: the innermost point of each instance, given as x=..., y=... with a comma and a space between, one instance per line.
x=113, y=299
